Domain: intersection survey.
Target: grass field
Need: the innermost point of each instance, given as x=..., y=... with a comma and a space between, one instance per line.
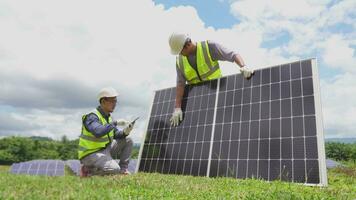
x=342, y=185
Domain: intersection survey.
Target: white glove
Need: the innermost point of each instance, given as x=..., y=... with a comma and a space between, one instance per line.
x=122, y=122
x=246, y=72
x=177, y=116
x=128, y=129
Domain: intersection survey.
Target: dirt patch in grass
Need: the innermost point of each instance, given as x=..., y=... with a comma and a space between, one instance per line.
x=347, y=171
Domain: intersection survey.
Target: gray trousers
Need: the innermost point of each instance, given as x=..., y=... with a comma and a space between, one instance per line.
x=102, y=162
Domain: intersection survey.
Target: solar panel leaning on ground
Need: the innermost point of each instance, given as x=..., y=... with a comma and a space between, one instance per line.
x=39, y=167
x=268, y=127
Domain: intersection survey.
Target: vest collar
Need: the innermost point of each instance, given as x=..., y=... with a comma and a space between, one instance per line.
x=106, y=116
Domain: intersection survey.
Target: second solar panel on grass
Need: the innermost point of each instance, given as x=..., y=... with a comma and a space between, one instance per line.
x=39, y=167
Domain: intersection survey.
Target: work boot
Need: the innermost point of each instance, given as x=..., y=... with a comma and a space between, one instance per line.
x=124, y=172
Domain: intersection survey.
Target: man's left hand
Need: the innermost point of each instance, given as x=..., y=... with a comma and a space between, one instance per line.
x=122, y=122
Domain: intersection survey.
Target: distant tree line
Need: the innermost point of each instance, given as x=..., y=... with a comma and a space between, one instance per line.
x=20, y=149
x=340, y=151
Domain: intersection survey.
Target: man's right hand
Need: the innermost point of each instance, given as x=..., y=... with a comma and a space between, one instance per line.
x=246, y=72
x=177, y=116
x=128, y=129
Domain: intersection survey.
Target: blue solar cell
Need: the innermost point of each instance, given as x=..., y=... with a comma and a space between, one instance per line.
x=132, y=165
x=74, y=166
x=14, y=168
x=332, y=164
x=24, y=168
x=33, y=169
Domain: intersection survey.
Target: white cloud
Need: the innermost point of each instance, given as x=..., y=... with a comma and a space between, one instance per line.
x=124, y=44
x=307, y=23
x=338, y=53
x=253, y=10
x=339, y=105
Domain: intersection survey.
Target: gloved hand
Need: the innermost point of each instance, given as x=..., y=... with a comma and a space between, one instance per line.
x=246, y=72
x=122, y=122
x=128, y=129
x=177, y=116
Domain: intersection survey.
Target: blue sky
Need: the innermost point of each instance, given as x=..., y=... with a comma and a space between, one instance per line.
x=213, y=12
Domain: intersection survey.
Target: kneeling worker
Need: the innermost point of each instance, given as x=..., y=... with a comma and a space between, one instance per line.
x=101, y=139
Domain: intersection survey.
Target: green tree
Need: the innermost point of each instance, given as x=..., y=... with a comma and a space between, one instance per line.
x=338, y=151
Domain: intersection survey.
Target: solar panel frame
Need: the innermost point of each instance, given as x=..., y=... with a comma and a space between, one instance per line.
x=273, y=79
x=319, y=124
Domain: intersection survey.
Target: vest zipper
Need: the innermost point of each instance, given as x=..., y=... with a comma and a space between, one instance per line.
x=107, y=121
x=196, y=70
x=198, y=75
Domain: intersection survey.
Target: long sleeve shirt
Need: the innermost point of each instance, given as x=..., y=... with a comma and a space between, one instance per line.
x=92, y=124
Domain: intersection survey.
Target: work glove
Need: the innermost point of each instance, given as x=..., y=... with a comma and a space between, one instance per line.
x=177, y=116
x=128, y=129
x=246, y=72
x=122, y=122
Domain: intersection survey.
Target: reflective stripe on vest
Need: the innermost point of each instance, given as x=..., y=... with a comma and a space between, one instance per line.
x=206, y=67
x=94, y=139
x=88, y=143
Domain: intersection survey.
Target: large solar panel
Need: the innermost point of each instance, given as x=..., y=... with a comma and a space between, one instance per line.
x=39, y=167
x=268, y=127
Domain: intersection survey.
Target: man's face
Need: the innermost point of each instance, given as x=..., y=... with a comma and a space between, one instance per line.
x=109, y=104
x=188, y=49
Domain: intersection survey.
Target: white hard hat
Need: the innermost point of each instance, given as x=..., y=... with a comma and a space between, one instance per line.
x=177, y=41
x=107, y=92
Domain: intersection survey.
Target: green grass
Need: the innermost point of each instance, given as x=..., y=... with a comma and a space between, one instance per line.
x=342, y=185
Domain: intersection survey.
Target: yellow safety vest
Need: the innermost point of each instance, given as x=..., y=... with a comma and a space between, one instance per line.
x=88, y=143
x=206, y=67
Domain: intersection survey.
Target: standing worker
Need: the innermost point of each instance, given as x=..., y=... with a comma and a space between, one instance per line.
x=197, y=62
x=101, y=140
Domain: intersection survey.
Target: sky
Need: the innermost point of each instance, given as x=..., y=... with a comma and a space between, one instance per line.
x=56, y=55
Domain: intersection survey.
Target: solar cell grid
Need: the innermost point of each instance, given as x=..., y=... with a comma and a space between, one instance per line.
x=184, y=149
x=266, y=127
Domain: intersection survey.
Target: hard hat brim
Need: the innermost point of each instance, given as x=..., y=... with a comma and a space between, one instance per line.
x=173, y=52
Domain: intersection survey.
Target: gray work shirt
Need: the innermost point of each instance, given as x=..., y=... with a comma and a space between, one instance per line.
x=217, y=52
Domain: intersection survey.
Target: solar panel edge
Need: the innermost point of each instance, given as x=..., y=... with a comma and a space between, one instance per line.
x=319, y=124
x=145, y=133
x=280, y=64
